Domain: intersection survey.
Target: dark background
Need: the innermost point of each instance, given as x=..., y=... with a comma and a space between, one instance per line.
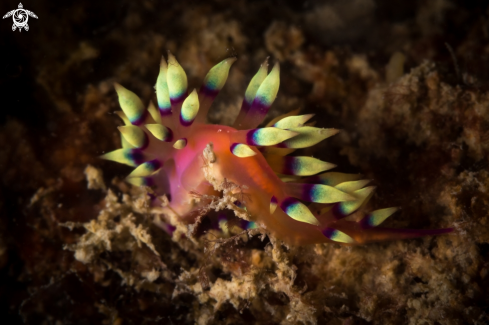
x=56, y=107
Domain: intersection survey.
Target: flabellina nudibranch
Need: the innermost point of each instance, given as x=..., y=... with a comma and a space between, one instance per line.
x=176, y=153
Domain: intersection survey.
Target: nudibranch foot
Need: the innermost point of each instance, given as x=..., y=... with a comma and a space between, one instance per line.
x=246, y=169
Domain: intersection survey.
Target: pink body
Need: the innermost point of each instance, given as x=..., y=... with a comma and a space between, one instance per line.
x=167, y=146
x=254, y=174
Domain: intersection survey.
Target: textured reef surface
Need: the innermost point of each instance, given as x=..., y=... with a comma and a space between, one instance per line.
x=406, y=85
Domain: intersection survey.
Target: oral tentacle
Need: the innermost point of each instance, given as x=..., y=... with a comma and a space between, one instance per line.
x=298, y=211
x=131, y=105
x=300, y=166
x=134, y=135
x=308, y=136
x=130, y=157
x=162, y=92
x=250, y=94
x=146, y=169
x=160, y=132
x=177, y=83
x=264, y=98
x=290, y=122
x=375, y=218
x=154, y=113
x=262, y=137
x=213, y=82
x=317, y=193
x=242, y=150
x=180, y=144
x=343, y=209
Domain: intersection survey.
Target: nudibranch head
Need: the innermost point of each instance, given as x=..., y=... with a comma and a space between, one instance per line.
x=293, y=198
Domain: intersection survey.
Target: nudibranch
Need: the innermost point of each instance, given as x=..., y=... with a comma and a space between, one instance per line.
x=293, y=198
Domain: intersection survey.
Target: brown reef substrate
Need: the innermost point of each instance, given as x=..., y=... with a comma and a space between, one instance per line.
x=78, y=245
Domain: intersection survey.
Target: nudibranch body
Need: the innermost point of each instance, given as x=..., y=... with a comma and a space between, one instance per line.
x=293, y=198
